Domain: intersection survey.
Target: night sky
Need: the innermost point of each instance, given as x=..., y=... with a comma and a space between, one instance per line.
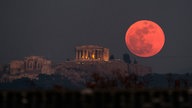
x=52, y=28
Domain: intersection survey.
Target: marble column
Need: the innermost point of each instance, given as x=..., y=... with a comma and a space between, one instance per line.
x=88, y=54
x=83, y=54
x=100, y=54
x=97, y=53
x=26, y=65
x=79, y=54
x=94, y=53
x=29, y=66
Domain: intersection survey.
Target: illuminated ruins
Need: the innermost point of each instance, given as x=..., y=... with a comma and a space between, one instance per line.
x=31, y=64
x=88, y=58
x=91, y=53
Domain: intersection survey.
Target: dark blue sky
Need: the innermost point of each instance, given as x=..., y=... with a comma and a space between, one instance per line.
x=52, y=28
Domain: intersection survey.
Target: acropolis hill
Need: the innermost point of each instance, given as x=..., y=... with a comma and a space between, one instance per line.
x=89, y=59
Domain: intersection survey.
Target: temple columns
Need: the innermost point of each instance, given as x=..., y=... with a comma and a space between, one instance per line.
x=88, y=54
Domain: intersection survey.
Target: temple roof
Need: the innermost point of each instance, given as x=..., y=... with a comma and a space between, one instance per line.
x=88, y=46
x=35, y=57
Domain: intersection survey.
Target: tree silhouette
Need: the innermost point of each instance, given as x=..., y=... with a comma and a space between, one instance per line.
x=111, y=57
x=126, y=58
x=169, y=79
x=67, y=59
x=135, y=61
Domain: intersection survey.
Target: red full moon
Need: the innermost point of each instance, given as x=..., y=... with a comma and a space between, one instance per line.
x=145, y=38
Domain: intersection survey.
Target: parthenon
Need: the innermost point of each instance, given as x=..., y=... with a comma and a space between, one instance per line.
x=92, y=53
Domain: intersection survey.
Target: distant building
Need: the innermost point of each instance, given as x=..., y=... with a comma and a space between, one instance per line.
x=17, y=66
x=91, y=53
x=31, y=64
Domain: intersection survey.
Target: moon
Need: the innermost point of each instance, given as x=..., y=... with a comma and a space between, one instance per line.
x=145, y=38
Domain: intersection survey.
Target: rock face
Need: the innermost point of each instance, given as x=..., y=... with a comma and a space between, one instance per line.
x=83, y=71
x=77, y=71
x=105, y=67
x=99, y=66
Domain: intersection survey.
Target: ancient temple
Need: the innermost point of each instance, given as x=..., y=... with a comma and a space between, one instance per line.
x=36, y=63
x=91, y=53
x=16, y=66
x=31, y=64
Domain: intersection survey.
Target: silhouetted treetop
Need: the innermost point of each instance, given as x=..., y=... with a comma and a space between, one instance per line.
x=126, y=58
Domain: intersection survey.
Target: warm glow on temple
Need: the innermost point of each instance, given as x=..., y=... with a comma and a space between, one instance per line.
x=92, y=53
x=93, y=56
